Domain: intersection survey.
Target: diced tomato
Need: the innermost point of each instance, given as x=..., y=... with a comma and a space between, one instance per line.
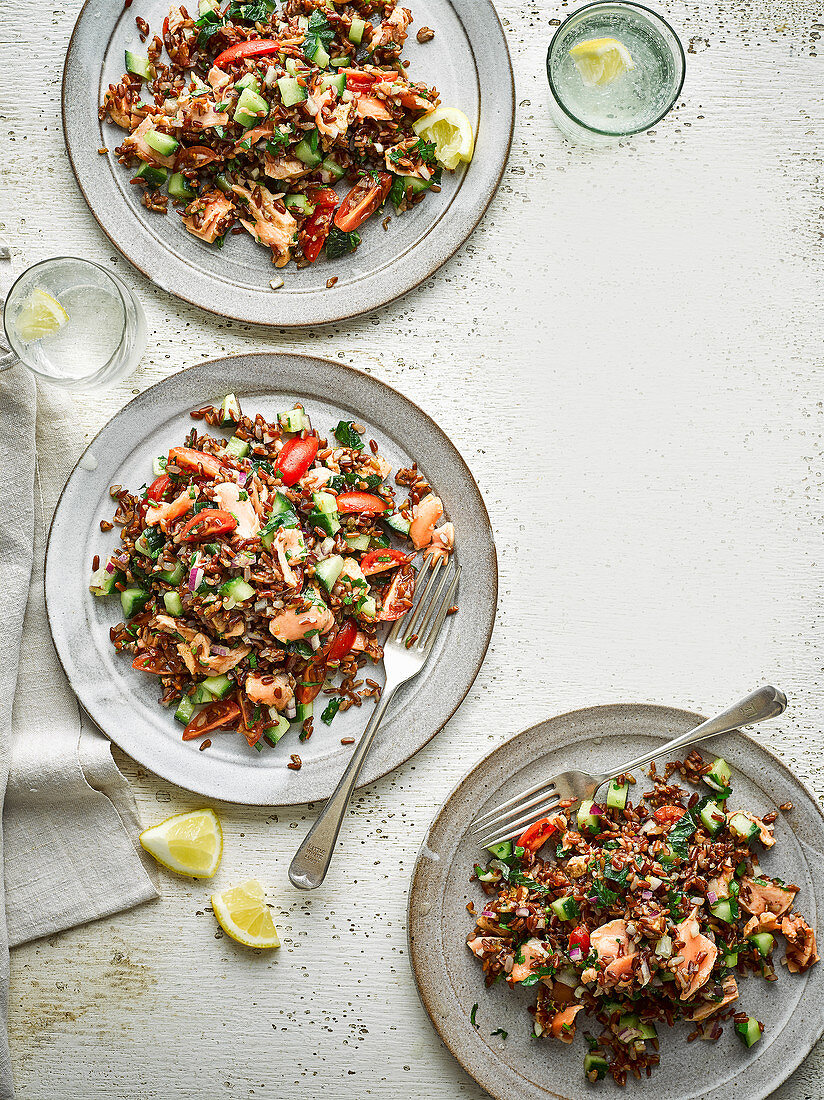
x=158, y=487
x=196, y=461
x=313, y=678
x=359, y=79
x=315, y=231
x=322, y=196
x=399, y=595
x=579, y=937
x=536, y=835
x=152, y=662
x=296, y=458
x=259, y=48
x=378, y=560
x=367, y=504
x=343, y=641
x=208, y=524
x=220, y=715
x=668, y=815
x=364, y=199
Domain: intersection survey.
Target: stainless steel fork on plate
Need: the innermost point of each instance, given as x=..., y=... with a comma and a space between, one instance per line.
x=405, y=652
x=511, y=818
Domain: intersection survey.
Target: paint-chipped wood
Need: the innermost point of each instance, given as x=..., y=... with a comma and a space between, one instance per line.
x=628, y=354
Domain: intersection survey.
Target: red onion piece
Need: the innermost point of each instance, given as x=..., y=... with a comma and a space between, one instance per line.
x=712, y=897
x=195, y=577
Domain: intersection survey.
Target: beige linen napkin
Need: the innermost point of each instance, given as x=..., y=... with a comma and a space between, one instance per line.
x=70, y=825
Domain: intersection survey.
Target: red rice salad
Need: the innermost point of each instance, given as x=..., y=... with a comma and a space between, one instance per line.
x=254, y=569
x=638, y=915
x=261, y=110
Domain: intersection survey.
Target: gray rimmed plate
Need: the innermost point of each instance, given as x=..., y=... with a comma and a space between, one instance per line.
x=123, y=702
x=450, y=981
x=468, y=61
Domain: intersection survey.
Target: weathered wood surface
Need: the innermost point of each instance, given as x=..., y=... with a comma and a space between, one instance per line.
x=627, y=352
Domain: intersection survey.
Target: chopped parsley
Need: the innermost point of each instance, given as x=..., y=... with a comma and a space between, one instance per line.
x=680, y=833
x=535, y=977
x=347, y=436
x=318, y=34
x=500, y=1031
x=210, y=23
x=339, y=243
x=253, y=11
x=278, y=140
x=330, y=711
x=603, y=894
x=339, y=483
x=472, y=1015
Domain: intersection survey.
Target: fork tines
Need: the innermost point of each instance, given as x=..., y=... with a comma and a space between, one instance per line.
x=418, y=627
x=510, y=818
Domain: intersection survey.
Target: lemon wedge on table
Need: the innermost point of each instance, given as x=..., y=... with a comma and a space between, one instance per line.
x=243, y=914
x=601, y=60
x=191, y=843
x=40, y=315
x=450, y=131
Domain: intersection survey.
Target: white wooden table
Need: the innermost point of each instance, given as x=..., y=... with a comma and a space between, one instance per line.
x=627, y=354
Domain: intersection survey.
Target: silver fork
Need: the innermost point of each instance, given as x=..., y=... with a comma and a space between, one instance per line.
x=511, y=818
x=405, y=652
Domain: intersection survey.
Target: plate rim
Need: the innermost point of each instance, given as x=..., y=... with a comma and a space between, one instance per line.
x=484, y=522
x=490, y=189
x=414, y=915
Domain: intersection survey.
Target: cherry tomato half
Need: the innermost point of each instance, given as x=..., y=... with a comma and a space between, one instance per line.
x=158, y=487
x=364, y=199
x=399, y=595
x=152, y=662
x=196, y=461
x=343, y=641
x=668, y=815
x=208, y=524
x=579, y=937
x=296, y=458
x=378, y=560
x=367, y=504
x=314, y=232
x=536, y=835
x=221, y=715
x=259, y=48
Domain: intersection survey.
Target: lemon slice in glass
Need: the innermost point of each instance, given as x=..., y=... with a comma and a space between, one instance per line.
x=191, y=844
x=601, y=60
x=243, y=914
x=39, y=315
x=451, y=132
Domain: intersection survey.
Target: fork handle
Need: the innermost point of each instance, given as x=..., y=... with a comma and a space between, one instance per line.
x=766, y=702
x=311, y=862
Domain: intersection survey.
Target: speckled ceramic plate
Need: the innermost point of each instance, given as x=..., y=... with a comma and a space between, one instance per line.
x=467, y=61
x=450, y=979
x=123, y=702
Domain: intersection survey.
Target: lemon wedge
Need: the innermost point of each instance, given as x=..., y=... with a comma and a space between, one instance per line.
x=243, y=914
x=39, y=316
x=191, y=843
x=451, y=132
x=601, y=60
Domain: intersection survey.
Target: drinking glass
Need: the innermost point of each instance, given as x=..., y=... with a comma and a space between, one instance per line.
x=103, y=334
x=636, y=99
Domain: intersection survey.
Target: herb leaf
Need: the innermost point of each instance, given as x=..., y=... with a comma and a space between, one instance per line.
x=680, y=833
x=330, y=711
x=347, y=436
x=319, y=33
x=472, y=1014
x=339, y=243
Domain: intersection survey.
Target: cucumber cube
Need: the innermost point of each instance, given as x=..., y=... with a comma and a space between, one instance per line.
x=230, y=409
x=185, y=710
x=133, y=600
x=764, y=942
x=153, y=176
x=328, y=571
x=595, y=1066
x=173, y=603
x=290, y=91
x=749, y=1031
x=565, y=908
x=741, y=826
x=238, y=448
x=356, y=31
x=179, y=187
x=162, y=143
x=713, y=818
x=219, y=686
x=617, y=795
x=138, y=65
